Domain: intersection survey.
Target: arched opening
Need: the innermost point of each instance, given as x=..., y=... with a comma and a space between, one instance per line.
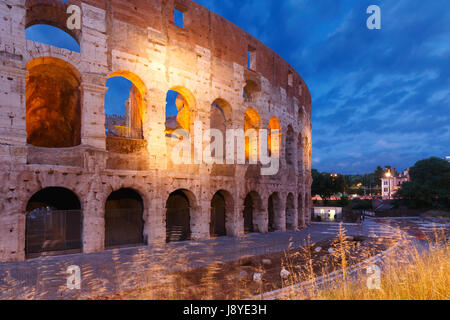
x=248, y=214
x=218, y=218
x=178, y=219
x=274, y=210
x=301, y=116
x=274, y=124
x=252, y=124
x=52, y=36
x=53, y=223
x=221, y=208
x=290, y=212
x=41, y=19
x=179, y=108
x=53, y=111
x=300, y=153
x=124, y=224
x=219, y=117
x=301, y=221
x=251, y=89
x=125, y=105
x=251, y=214
x=290, y=147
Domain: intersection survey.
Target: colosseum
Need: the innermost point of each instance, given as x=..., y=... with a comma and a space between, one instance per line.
x=76, y=179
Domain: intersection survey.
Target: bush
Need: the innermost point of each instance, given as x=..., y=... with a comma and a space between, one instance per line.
x=429, y=186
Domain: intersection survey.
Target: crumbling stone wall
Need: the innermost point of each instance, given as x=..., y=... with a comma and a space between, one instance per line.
x=206, y=60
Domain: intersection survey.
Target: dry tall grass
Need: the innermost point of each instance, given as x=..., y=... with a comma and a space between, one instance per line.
x=406, y=275
x=410, y=275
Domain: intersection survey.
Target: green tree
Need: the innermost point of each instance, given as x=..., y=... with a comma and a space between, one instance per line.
x=378, y=174
x=429, y=185
x=325, y=184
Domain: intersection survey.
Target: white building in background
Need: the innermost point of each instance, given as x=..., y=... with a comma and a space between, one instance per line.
x=328, y=213
x=447, y=158
x=392, y=182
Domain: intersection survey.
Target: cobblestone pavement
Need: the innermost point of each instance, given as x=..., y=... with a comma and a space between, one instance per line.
x=115, y=270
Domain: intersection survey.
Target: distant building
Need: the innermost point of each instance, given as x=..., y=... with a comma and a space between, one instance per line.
x=113, y=123
x=392, y=182
x=447, y=158
x=327, y=213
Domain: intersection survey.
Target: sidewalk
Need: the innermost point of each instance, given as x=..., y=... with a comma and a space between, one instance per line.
x=116, y=270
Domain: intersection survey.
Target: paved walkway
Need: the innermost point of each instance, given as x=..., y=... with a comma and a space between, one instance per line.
x=116, y=270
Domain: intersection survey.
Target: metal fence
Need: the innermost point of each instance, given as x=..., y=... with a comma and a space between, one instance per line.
x=49, y=230
x=123, y=227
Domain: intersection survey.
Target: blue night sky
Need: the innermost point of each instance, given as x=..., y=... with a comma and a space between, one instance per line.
x=380, y=97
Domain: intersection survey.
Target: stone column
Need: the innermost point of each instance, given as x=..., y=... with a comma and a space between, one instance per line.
x=13, y=106
x=93, y=113
x=12, y=229
x=239, y=227
x=94, y=217
x=292, y=218
x=93, y=228
x=12, y=75
x=235, y=221
x=199, y=222
x=307, y=209
x=260, y=220
x=280, y=218
x=94, y=75
x=154, y=125
x=155, y=223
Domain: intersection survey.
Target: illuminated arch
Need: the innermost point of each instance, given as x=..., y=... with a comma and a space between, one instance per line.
x=252, y=121
x=187, y=95
x=135, y=79
x=53, y=103
x=53, y=13
x=219, y=119
x=128, y=123
x=186, y=106
x=274, y=124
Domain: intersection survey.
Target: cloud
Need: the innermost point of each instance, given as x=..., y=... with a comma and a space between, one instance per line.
x=379, y=97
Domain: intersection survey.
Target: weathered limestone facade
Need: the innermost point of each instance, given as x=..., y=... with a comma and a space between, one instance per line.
x=207, y=59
